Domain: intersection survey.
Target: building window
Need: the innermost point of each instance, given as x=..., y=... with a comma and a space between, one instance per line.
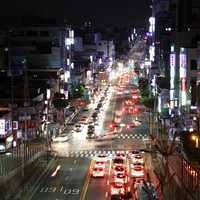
x=193, y=64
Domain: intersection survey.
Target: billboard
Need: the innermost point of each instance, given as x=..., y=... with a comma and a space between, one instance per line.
x=182, y=74
x=172, y=78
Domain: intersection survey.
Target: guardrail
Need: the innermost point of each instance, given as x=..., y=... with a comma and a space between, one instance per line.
x=14, y=161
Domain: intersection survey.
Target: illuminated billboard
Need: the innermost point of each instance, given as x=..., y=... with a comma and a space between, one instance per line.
x=172, y=77
x=182, y=73
x=2, y=127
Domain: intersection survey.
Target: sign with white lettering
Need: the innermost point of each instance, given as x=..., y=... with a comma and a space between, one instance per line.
x=2, y=126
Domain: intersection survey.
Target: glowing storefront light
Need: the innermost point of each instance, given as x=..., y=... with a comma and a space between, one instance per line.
x=72, y=65
x=151, y=25
x=159, y=104
x=48, y=93
x=152, y=53
x=183, y=63
x=172, y=76
x=67, y=76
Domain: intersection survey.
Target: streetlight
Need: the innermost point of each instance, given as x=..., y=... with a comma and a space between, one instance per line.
x=196, y=139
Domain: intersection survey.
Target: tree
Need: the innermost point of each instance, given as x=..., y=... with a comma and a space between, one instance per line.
x=166, y=149
x=143, y=87
x=147, y=101
x=78, y=91
x=59, y=101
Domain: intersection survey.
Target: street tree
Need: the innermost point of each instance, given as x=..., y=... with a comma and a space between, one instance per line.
x=59, y=101
x=163, y=149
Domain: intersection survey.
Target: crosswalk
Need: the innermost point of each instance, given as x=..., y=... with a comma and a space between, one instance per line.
x=133, y=136
x=92, y=153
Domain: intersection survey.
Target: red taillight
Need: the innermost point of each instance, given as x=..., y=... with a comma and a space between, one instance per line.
x=128, y=126
x=112, y=125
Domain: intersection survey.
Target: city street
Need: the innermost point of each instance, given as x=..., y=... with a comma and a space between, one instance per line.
x=77, y=153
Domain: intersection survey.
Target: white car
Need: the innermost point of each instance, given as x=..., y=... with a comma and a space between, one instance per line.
x=98, y=172
x=121, y=178
x=78, y=128
x=118, y=162
x=121, y=155
x=137, y=159
x=137, y=171
x=101, y=158
x=119, y=170
x=62, y=138
x=117, y=189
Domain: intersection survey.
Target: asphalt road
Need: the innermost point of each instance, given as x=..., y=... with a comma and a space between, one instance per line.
x=68, y=182
x=99, y=188
x=83, y=150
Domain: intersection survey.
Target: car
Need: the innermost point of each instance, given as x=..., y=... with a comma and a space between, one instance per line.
x=119, y=92
x=119, y=170
x=137, y=158
x=78, y=128
x=90, y=127
x=99, y=105
x=101, y=158
x=62, y=138
x=121, y=155
x=90, y=136
x=117, y=189
x=118, y=162
x=94, y=115
x=99, y=164
x=97, y=110
x=98, y=172
x=84, y=120
x=121, y=178
x=116, y=197
x=133, y=153
x=137, y=171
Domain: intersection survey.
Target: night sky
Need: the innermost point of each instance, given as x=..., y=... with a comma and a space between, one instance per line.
x=135, y=12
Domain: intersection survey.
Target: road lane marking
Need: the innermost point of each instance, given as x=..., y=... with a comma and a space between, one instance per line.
x=86, y=181
x=56, y=171
x=106, y=194
x=109, y=168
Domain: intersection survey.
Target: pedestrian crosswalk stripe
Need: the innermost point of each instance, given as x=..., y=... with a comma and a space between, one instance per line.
x=92, y=154
x=132, y=136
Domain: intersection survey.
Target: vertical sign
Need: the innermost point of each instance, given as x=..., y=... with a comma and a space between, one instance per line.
x=2, y=126
x=172, y=77
x=183, y=64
